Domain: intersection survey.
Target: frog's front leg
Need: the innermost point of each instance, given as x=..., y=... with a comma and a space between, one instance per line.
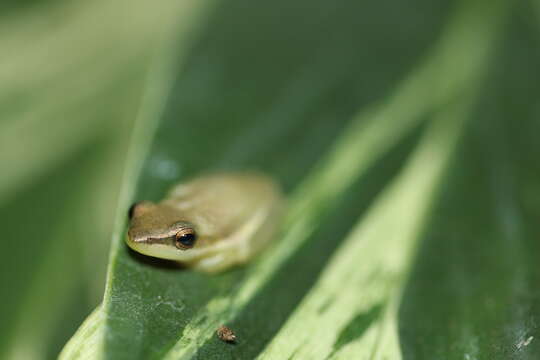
x=238, y=250
x=213, y=264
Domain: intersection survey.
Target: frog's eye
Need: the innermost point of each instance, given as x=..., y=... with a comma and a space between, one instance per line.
x=185, y=239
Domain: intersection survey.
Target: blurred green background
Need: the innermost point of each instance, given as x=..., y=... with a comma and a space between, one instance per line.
x=103, y=103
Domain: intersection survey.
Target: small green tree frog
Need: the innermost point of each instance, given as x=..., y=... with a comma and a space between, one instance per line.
x=209, y=223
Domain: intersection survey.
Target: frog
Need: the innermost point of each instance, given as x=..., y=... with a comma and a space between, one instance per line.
x=210, y=223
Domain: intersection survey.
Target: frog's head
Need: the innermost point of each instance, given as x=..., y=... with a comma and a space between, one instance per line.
x=155, y=230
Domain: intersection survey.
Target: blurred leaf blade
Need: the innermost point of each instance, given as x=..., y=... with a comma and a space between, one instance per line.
x=329, y=313
x=44, y=91
x=55, y=231
x=372, y=259
x=483, y=301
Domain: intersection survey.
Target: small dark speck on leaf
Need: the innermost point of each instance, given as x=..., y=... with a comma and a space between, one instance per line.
x=225, y=334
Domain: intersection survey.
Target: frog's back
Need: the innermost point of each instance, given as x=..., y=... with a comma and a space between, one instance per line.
x=222, y=203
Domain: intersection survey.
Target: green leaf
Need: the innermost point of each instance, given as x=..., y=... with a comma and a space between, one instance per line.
x=405, y=136
x=152, y=311
x=479, y=255
x=373, y=259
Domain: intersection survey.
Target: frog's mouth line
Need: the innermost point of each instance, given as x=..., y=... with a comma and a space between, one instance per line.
x=163, y=249
x=158, y=241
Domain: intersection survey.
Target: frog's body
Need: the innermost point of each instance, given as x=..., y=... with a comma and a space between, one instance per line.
x=209, y=223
